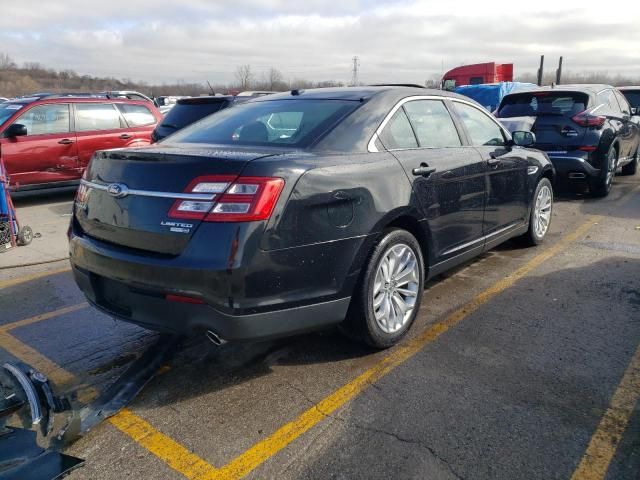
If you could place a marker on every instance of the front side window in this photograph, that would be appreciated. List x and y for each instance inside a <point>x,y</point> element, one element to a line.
<point>289,123</point>
<point>633,97</point>
<point>46,119</point>
<point>398,134</point>
<point>136,115</point>
<point>96,116</point>
<point>432,123</point>
<point>483,131</point>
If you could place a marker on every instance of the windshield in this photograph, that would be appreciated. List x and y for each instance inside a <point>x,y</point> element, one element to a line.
<point>533,104</point>
<point>8,109</point>
<point>182,115</point>
<point>633,97</point>
<point>292,123</point>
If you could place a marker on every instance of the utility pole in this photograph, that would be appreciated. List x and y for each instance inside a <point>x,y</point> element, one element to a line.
<point>559,72</point>
<point>541,70</point>
<point>354,73</point>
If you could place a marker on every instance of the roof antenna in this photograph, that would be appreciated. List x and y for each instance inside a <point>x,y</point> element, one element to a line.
<point>211,88</point>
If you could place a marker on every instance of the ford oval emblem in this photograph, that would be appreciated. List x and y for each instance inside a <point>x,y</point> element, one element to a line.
<point>118,190</point>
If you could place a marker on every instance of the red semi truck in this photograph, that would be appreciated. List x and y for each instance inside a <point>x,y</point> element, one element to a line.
<point>477,74</point>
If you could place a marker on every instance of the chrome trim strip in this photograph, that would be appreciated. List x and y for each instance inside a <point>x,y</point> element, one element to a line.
<point>371,145</point>
<point>201,197</point>
<point>481,239</point>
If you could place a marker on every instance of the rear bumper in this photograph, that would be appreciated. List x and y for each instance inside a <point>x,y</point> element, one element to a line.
<point>151,310</point>
<point>574,167</point>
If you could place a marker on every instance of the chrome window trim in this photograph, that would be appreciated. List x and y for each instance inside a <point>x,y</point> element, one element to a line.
<point>371,147</point>
<point>149,193</point>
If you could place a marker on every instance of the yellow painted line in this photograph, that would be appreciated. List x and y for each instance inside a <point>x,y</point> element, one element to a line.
<point>265,449</point>
<point>605,440</point>
<point>34,276</point>
<point>43,316</point>
<point>165,448</point>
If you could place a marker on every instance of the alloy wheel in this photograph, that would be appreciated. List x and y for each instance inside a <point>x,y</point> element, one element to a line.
<point>542,211</point>
<point>395,288</point>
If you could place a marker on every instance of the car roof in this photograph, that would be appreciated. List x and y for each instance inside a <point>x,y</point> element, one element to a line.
<point>575,87</point>
<point>52,98</point>
<point>204,99</point>
<point>359,93</point>
<point>630,87</point>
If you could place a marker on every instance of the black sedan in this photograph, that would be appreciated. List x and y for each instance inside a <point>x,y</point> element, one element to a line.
<point>303,210</point>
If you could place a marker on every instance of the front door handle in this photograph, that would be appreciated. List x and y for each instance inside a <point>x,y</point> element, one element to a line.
<point>423,170</point>
<point>65,141</point>
<point>125,136</point>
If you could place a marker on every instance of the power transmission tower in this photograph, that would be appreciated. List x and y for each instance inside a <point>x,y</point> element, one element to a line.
<point>354,74</point>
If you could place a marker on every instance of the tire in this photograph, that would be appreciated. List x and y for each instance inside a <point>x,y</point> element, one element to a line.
<point>25,235</point>
<point>381,326</point>
<point>541,214</point>
<point>601,186</point>
<point>632,168</point>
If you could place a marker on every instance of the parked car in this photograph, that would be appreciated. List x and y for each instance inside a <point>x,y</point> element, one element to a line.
<point>3,99</point>
<point>47,141</point>
<point>303,210</point>
<point>587,130</point>
<point>632,94</point>
<point>187,111</point>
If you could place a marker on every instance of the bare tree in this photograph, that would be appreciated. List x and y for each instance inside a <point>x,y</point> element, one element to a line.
<point>244,77</point>
<point>274,80</point>
<point>6,62</point>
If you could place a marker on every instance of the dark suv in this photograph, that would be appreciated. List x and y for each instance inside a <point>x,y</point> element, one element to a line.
<point>187,111</point>
<point>47,140</point>
<point>302,210</point>
<point>588,131</point>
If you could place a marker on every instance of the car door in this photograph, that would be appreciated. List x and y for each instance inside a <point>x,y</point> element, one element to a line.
<point>507,202</point>
<point>99,126</point>
<point>48,153</point>
<point>140,121</point>
<point>447,178</point>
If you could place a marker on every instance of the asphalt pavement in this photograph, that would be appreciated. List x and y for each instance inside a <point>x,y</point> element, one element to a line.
<point>522,364</point>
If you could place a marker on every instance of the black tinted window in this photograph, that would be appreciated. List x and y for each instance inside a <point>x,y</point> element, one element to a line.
<point>481,128</point>
<point>432,123</point>
<point>398,134</point>
<point>136,115</point>
<point>543,103</point>
<point>46,119</point>
<point>182,115</point>
<point>96,116</point>
<point>300,122</point>
<point>633,97</point>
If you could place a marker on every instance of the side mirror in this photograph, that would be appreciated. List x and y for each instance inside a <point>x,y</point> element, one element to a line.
<point>16,130</point>
<point>523,138</point>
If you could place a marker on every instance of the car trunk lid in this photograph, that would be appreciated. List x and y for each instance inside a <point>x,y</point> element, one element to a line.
<point>126,195</point>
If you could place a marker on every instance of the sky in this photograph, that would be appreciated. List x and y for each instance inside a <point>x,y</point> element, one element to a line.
<point>395,40</point>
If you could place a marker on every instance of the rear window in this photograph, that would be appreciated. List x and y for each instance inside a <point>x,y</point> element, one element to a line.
<point>292,123</point>
<point>533,104</point>
<point>136,115</point>
<point>633,97</point>
<point>183,114</point>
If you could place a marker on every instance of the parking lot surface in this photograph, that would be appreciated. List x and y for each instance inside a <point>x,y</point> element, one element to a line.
<point>524,363</point>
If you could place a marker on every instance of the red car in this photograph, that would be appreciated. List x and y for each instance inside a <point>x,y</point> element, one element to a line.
<point>47,140</point>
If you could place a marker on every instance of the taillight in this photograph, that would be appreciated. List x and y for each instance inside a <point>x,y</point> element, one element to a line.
<point>229,199</point>
<point>588,148</point>
<point>586,119</point>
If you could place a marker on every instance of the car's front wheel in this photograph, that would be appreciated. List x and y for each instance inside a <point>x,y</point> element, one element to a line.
<point>541,211</point>
<point>388,297</point>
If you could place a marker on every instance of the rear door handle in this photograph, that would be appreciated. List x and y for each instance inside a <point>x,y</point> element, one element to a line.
<point>125,136</point>
<point>494,161</point>
<point>423,170</point>
<point>65,141</point>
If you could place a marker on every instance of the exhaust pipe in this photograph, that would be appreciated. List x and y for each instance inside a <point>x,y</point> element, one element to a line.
<point>215,338</point>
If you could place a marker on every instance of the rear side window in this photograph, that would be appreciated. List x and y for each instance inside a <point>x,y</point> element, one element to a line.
<point>482,130</point>
<point>136,115</point>
<point>302,122</point>
<point>183,114</point>
<point>624,104</point>
<point>96,116</point>
<point>633,97</point>
<point>533,104</point>
<point>398,134</point>
<point>606,102</point>
<point>432,123</point>
<point>46,119</point>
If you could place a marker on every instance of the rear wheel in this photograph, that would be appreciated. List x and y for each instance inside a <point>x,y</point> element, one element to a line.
<point>601,186</point>
<point>388,297</point>
<point>25,235</point>
<point>632,168</point>
<point>541,211</point>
